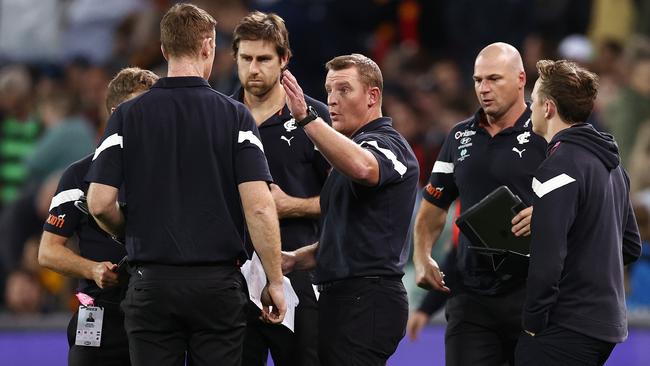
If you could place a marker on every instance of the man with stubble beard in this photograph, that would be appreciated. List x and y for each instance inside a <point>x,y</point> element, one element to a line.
<point>261,50</point>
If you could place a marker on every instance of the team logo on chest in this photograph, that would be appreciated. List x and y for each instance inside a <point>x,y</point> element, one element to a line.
<point>290,125</point>
<point>523,137</point>
<point>464,154</point>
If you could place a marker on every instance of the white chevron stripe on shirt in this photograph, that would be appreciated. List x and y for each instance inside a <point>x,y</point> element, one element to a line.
<point>542,189</point>
<point>66,196</point>
<point>112,140</point>
<point>250,136</point>
<point>399,167</point>
<point>443,167</point>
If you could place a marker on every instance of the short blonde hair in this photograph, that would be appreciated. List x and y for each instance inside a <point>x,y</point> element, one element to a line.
<point>125,83</point>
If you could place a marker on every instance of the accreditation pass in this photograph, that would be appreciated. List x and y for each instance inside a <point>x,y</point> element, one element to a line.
<point>89,326</point>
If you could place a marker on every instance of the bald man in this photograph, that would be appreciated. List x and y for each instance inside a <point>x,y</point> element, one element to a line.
<point>494,147</point>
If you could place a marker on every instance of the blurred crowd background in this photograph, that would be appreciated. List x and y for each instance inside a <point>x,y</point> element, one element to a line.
<point>57,56</point>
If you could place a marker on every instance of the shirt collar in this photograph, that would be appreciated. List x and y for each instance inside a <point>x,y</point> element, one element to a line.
<point>373,125</point>
<point>522,123</point>
<point>282,115</point>
<point>238,95</point>
<point>180,82</point>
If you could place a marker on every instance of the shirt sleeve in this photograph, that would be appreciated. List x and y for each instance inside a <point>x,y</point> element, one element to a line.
<point>250,161</point>
<point>106,167</point>
<point>64,217</point>
<point>441,189</point>
<point>390,155</point>
<point>556,203</point>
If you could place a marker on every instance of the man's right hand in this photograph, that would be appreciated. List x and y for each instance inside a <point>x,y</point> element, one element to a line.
<point>273,305</point>
<point>105,275</point>
<point>417,320</point>
<point>429,277</point>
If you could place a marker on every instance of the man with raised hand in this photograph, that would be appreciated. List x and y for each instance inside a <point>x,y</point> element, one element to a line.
<point>366,206</point>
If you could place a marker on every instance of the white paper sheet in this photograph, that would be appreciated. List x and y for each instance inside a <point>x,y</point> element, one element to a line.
<point>256,280</point>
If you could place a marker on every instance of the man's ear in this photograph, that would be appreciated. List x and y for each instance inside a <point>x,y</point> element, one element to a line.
<point>284,62</point>
<point>373,96</point>
<point>550,109</point>
<point>164,53</point>
<point>207,47</point>
<point>521,78</point>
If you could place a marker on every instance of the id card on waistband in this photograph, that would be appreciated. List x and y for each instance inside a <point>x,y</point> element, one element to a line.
<point>89,326</point>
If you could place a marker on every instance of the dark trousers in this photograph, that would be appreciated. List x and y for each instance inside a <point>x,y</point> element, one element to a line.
<point>114,348</point>
<point>556,345</point>
<point>361,321</point>
<point>299,348</point>
<point>483,330</point>
<point>171,310</point>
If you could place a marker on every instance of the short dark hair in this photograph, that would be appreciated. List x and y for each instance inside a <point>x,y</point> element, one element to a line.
<point>369,72</point>
<point>262,26</point>
<point>183,28</point>
<point>128,81</point>
<point>572,88</point>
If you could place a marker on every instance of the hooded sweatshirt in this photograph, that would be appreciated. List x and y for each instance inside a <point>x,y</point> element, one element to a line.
<point>583,233</point>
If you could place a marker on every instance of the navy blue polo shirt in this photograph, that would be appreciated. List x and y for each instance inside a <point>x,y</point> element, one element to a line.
<point>66,220</point>
<point>296,166</point>
<point>471,164</point>
<point>181,149</point>
<point>365,229</point>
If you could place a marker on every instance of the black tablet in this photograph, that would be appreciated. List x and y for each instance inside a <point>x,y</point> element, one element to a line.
<point>488,223</point>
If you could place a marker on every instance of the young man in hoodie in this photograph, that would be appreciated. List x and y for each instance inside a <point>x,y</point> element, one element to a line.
<point>583,229</point>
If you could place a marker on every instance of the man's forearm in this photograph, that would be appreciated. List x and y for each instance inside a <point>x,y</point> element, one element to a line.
<point>306,257</point>
<point>302,207</point>
<point>265,235</point>
<point>263,227</point>
<point>429,222</point>
<point>53,254</point>
<point>344,154</point>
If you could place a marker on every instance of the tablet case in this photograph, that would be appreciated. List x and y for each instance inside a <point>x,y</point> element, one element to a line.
<point>487,225</point>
